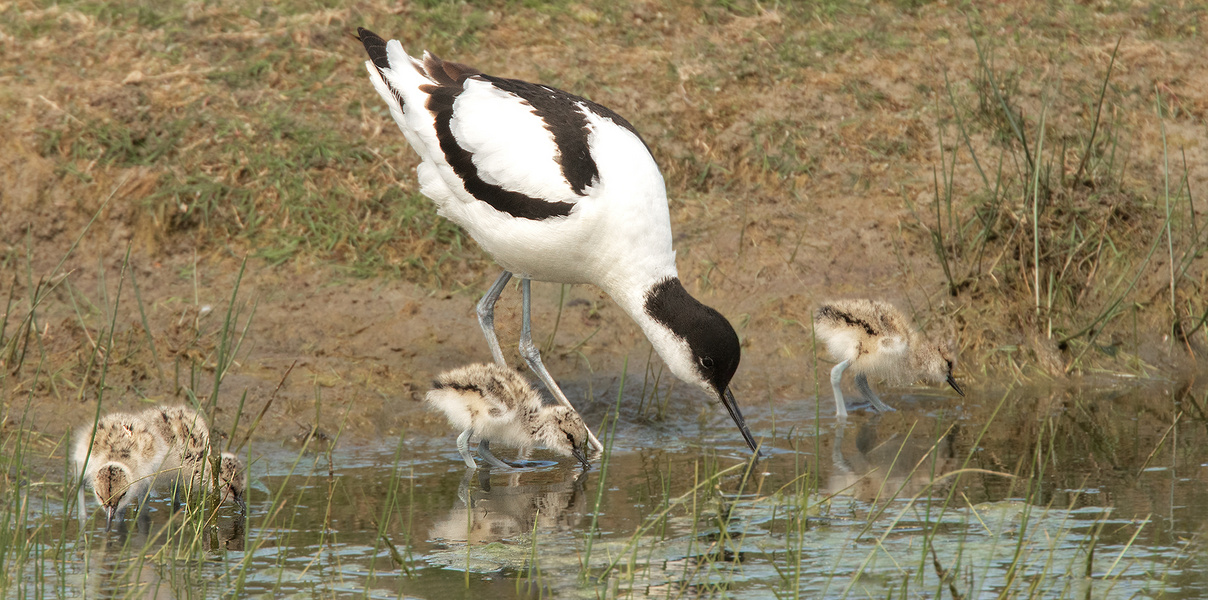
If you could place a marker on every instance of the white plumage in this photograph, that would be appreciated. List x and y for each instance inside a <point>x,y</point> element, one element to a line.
<point>555,188</point>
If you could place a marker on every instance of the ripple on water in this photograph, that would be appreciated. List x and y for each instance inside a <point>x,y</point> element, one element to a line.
<point>859,511</point>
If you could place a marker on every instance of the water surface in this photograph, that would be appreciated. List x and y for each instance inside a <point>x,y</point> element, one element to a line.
<point>1076,494</point>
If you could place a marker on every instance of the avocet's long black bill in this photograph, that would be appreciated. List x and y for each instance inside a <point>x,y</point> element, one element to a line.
<point>952,382</point>
<point>727,398</point>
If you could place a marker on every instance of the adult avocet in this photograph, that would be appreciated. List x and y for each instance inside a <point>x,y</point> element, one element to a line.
<point>555,188</point>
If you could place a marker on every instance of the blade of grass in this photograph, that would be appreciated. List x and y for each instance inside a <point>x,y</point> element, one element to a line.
<point>142,312</point>
<point>595,513</point>
<point>1086,153</point>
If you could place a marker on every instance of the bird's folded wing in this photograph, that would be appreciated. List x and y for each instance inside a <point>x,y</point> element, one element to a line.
<point>524,138</point>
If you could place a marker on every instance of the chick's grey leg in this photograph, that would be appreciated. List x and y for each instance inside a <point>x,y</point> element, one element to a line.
<point>871,396</point>
<point>463,446</point>
<point>80,506</point>
<point>836,377</point>
<point>484,450</point>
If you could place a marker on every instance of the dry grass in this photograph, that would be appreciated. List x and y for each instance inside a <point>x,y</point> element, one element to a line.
<point>799,145</point>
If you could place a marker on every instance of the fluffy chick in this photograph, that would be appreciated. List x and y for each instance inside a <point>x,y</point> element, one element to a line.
<point>119,462</point>
<point>499,405</point>
<point>873,338</point>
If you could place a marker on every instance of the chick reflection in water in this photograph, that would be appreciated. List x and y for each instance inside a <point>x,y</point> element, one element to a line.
<point>884,467</point>
<point>489,513</point>
<point>497,404</point>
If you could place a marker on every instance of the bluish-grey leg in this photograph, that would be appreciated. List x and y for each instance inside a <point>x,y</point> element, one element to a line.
<point>836,377</point>
<point>463,446</point>
<point>120,521</point>
<point>877,404</point>
<point>80,507</point>
<point>143,518</point>
<point>484,450</point>
<point>533,356</point>
<point>486,316</point>
<point>839,461</point>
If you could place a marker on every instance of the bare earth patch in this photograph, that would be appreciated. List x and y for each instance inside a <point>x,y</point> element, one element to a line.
<point>971,167</point>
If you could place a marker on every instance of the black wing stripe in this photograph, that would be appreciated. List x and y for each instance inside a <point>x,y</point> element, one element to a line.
<point>564,119</point>
<point>557,108</point>
<point>516,204</point>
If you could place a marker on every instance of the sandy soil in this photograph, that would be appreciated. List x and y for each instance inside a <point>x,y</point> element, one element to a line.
<point>793,145</point>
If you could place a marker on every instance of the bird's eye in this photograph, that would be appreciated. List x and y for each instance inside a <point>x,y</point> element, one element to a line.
<point>706,362</point>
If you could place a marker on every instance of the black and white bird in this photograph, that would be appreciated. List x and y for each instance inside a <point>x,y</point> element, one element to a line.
<point>496,404</point>
<point>874,338</point>
<point>555,188</point>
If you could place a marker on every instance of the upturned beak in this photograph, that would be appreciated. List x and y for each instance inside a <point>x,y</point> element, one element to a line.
<point>727,399</point>
<point>952,382</point>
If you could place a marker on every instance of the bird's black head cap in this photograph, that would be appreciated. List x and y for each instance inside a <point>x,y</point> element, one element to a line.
<point>712,340</point>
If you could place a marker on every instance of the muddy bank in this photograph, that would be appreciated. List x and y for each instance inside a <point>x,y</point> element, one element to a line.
<point>354,357</point>
<point>875,151</point>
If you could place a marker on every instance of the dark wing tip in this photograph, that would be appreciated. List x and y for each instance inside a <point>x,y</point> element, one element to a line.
<point>375,46</point>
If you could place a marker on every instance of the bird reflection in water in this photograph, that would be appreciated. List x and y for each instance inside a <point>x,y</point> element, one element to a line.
<point>485,513</point>
<point>884,467</point>
<point>224,530</point>
<point>118,568</point>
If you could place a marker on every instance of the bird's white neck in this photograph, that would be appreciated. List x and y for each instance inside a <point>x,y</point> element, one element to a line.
<point>670,345</point>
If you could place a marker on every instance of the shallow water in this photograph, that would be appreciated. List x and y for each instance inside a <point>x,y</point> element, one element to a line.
<point>1086,495</point>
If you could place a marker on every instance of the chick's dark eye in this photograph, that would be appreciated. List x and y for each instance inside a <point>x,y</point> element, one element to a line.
<point>706,362</point>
